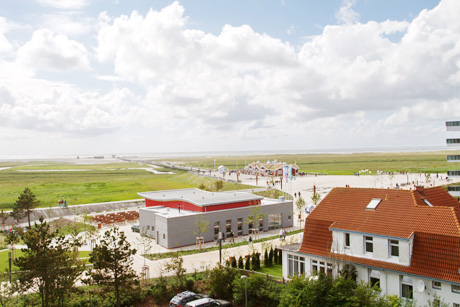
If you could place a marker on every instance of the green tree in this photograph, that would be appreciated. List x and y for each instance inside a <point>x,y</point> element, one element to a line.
<point>220,281</point>
<point>218,185</point>
<point>112,263</point>
<point>300,203</point>
<point>202,226</point>
<point>254,216</point>
<point>25,203</point>
<point>176,265</point>
<point>3,217</point>
<point>48,265</point>
<point>316,198</point>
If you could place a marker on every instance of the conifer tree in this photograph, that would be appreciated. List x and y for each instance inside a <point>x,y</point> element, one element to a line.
<point>25,203</point>
<point>47,265</point>
<point>112,263</point>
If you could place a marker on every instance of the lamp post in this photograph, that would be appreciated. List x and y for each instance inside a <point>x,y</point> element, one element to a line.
<point>245,290</point>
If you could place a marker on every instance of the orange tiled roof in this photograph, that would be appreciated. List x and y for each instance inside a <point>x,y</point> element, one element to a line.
<point>401,213</point>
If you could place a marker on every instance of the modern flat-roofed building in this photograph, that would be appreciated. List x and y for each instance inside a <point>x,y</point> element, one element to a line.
<point>170,216</point>
<point>406,241</point>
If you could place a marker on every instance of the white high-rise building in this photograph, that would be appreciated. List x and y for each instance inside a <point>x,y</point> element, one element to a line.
<point>453,126</point>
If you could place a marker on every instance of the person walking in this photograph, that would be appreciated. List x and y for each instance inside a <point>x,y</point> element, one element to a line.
<point>250,240</point>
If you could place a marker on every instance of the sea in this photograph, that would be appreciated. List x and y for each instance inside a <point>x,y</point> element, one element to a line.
<point>172,155</point>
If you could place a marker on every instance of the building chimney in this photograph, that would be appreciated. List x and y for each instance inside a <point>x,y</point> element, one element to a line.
<point>420,189</point>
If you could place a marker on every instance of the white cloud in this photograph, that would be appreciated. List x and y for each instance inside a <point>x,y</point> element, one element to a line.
<point>64,4</point>
<point>346,15</point>
<point>5,46</point>
<point>53,52</point>
<point>67,23</point>
<point>350,84</point>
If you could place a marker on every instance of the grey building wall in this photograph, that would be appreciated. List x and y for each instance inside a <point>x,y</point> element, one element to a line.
<point>179,231</point>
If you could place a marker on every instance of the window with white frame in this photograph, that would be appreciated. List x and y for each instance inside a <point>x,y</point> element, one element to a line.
<point>321,267</point>
<point>368,244</point>
<point>436,285</point>
<point>455,288</point>
<point>407,288</point>
<point>394,248</point>
<point>374,278</point>
<point>347,240</point>
<point>296,265</point>
<point>455,305</point>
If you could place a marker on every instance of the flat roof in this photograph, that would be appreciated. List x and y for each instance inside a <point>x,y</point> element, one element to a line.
<point>170,212</point>
<point>199,197</point>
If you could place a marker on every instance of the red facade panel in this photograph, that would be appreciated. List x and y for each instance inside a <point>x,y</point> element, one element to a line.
<point>191,207</point>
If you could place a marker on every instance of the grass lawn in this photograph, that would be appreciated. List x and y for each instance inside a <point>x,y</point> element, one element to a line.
<point>4,258</point>
<point>98,183</point>
<point>119,181</point>
<point>339,164</point>
<point>274,270</point>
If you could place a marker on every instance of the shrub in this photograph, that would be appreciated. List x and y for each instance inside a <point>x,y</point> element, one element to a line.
<point>240,263</point>
<point>247,264</point>
<point>220,281</point>
<point>266,258</point>
<point>261,291</point>
<point>270,257</point>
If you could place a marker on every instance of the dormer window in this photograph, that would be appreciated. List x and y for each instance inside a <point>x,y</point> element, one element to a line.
<point>373,203</point>
<point>394,248</point>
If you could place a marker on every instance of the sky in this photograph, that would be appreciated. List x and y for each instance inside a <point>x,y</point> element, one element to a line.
<point>138,76</point>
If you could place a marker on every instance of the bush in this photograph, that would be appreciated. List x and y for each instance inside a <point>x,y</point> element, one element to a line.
<point>220,281</point>
<point>266,258</point>
<point>254,261</point>
<point>240,263</point>
<point>234,263</point>
<point>261,291</point>
<point>270,257</point>
<point>275,258</point>
<point>247,264</point>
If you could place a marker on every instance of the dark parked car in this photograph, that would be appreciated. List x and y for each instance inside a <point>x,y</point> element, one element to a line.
<point>208,302</point>
<point>184,297</point>
<point>136,228</point>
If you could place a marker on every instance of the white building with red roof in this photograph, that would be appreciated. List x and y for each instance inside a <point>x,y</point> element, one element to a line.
<point>406,240</point>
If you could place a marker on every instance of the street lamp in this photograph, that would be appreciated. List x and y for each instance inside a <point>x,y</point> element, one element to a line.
<point>245,290</point>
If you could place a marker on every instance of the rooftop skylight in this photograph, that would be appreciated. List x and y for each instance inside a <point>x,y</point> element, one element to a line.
<point>373,203</point>
<point>427,202</point>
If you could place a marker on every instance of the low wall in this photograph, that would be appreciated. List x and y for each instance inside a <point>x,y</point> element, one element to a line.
<point>56,212</point>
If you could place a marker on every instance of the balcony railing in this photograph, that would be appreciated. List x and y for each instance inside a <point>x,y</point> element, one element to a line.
<point>453,124</point>
<point>454,190</point>
<point>453,141</point>
<point>453,173</point>
<point>453,158</point>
